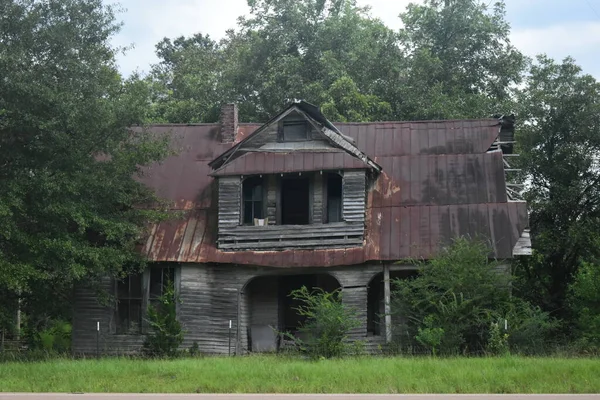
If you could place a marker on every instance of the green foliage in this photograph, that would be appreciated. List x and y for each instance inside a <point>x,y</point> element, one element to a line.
<point>464,295</point>
<point>461,289</point>
<point>334,54</point>
<point>559,143</point>
<point>68,160</point>
<point>584,300</point>
<point>328,322</point>
<point>498,341</point>
<point>430,336</point>
<point>460,62</point>
<point>194,349</point>
<point>166,332</point>
<point>531,330</point>
<point>55,338</point>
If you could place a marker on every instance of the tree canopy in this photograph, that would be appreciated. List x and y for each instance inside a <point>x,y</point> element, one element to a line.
<point>67,158</point>
<point>559,140</point>
<point>449,61</point>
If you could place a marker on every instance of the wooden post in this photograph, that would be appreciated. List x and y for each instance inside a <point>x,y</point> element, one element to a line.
<point>237,324</point>
<point>387,301</point>
<point>18,320</point>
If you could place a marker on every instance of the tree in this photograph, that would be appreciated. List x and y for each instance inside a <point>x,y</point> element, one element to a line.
<point>584,300</point>
<point>460,62</point>
<point>326,52</point>
<point>186,82</point>
<point>68,204</point>
<point>559,141</point>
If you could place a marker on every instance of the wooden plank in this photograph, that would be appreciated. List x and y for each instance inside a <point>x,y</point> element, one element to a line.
<point>292,244</point>
<point>278,236</point>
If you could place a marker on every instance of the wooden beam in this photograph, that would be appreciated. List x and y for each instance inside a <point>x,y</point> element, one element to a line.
<point>387,301</point>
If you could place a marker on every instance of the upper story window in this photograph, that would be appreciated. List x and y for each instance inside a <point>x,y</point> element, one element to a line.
<point>253,200</point>
<point>294,130</point>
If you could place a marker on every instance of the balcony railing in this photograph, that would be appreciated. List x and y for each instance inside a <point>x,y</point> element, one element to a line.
<point>279,237</point>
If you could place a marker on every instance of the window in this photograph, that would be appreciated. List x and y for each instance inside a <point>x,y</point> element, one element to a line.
<point>294,130</point>
<point>253,199</point>
<point>334,198</point>
<point>159,278</point>
<point>129,305</point>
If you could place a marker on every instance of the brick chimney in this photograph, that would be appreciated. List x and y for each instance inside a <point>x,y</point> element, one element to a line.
<point>229,122</point>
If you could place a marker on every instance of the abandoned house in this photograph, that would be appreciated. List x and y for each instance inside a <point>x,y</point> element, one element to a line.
<point>299,201</point>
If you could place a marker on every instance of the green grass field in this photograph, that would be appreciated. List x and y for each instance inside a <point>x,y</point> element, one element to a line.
<point>287,375</point>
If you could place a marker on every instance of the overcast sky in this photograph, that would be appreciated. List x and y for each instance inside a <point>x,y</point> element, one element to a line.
<point>558,28</point>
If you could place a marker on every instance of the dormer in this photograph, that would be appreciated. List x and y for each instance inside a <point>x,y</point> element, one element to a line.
<point>297,182</point>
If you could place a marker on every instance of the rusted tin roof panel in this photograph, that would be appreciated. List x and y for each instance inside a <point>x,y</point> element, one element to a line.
<point>438,182</point>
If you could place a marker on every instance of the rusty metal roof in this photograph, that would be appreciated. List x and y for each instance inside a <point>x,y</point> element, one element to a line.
<point>438,182</point>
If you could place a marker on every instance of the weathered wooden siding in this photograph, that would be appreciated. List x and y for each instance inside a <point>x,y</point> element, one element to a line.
<point>317,213</point>
<point>356,298</point>
<point>264,302</point>
<point>337,235</point>
<point>229,201</point>
<point>87,312</point>
<point>209,295</point>
<point>354,196</point>
<point>270,135</point>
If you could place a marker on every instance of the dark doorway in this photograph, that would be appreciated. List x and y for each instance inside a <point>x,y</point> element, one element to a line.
<point>334,198</point>
<point>290,320</point>
<point>295,201</point>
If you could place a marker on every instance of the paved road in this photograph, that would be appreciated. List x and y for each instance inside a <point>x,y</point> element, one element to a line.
<point>55,396</point>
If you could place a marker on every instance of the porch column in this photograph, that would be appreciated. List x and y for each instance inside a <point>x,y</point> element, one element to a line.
<point>387,301</point>
<point>356,298</point>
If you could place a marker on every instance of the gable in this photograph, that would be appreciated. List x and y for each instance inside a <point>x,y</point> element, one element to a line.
<point>299,128</point>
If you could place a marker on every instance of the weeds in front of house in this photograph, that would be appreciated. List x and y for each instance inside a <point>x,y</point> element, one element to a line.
<point>327,324</point>
<point>460,304</point>
<point>166,332</point>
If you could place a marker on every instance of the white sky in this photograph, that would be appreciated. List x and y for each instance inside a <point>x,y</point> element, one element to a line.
<point>556,27</point>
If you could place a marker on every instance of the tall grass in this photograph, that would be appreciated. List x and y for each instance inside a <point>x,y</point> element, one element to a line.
<point>289,375</point>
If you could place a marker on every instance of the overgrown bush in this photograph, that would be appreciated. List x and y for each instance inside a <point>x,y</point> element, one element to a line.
<point>166,332</point>
<point>55,338</point>
<point>584,301</point>
<point>498,340</point>
<point>459,297</point>
<point>327,324</point>
<point>461,289</point>
<point>430,336</point>
<point>531,331</point>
